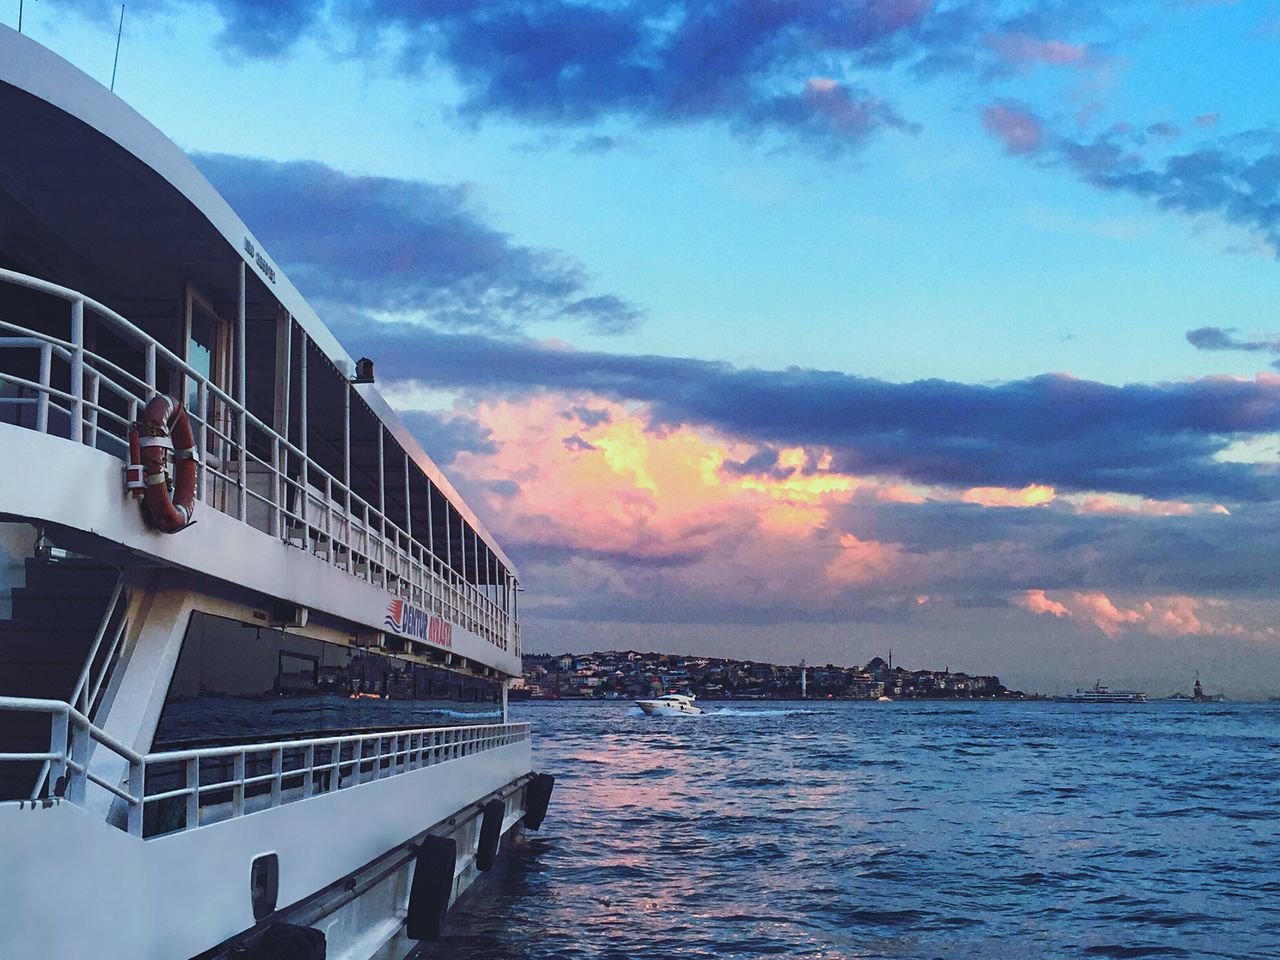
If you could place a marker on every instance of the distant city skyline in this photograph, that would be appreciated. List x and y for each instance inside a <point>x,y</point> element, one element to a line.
<point>778,330</point>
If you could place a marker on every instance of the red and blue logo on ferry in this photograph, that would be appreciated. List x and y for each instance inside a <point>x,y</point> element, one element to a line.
<point>408,621</point>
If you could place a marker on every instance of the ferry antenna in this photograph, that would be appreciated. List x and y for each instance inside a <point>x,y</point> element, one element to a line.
<point>116,63</point>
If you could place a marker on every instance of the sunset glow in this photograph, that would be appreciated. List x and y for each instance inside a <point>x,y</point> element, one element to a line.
<point>725,320</point>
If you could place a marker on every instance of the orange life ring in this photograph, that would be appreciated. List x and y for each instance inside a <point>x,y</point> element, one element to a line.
<point>163,426</point>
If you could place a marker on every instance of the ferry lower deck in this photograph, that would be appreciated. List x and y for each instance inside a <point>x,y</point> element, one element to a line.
<point>284,719</point>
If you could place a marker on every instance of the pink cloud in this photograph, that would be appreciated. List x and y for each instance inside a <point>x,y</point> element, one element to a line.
<point>1097,607</point>
<point>842,110</point>
<point>1206,120</point>
<point>1020,49</point>
<point>1036,602</point>
<point>1099,503</point>
<point>861,560</point>
<point>1173,615</point>
<point>1019,130</point>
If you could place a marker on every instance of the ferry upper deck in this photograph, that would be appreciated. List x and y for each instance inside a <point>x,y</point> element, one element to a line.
<point>123,274</point>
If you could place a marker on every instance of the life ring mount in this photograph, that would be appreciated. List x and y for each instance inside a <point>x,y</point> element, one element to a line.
<point>163,464</point>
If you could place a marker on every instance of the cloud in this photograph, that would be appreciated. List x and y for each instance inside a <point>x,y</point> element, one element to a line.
<point>1023,50</point>
<point>1014,126</point>
<point>747,65</point>
<point>607,314</point>
<point>381,244</point>
<point>860,560</point>
<point>1161,616</point>
<point>608,513</point>
<point>1098,608</point>
<point>448,434</point>
<point>1235,178</point>
<point>742,63</point>
<point>1031,495</point>
<point>1159,441</point>
<point>1036,602</point>
<point>826,113</point>
<point>1218,338</point>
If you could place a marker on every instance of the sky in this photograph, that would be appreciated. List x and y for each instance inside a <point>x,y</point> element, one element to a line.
<point>791,329</point>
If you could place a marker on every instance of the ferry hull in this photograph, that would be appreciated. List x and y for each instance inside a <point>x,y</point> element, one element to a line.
<point>176,896</point>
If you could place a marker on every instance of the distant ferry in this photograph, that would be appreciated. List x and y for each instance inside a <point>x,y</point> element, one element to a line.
<point>1102,694</point>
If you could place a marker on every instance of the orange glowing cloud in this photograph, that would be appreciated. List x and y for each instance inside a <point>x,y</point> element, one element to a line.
<point>608,481</point>
<point>1032,495</point>
<point>799,501</point>
<point>609,504</point>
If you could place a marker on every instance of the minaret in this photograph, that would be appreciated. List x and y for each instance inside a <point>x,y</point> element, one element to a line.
<point>804,682</point>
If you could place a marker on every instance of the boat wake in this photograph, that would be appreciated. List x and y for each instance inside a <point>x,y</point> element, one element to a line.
<point>739,712</point>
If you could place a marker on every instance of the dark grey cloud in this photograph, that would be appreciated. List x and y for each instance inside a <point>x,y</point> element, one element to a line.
<point>575,443</point>
<point>377,243</point>
<point>606,313</point>
<point>746,64</point>
<point>763,463</point>
<point>1235,178</point>
<point>504,488</point>
<point>1057,548</point>
<point>1218,338</point>
<point>446,436</point>
<point>1155,440</point>
<point>591,416</point>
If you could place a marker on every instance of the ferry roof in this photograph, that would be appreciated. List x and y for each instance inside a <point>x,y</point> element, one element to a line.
<point>180,211</point>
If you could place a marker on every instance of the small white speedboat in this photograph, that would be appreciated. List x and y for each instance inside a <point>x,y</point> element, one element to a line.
<point>670,705</point>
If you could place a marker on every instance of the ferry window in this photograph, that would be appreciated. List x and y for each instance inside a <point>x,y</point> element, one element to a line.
<point>298,672</point>
<point>237,683</point>
<point>208,347</point>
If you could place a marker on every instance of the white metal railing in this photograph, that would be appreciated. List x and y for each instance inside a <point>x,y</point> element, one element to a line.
<point>249,471</point>
<point>91,681</point>
<point>211,784</point>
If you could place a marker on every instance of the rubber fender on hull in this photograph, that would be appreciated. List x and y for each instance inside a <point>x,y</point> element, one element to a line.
<point>537,794</point>
<point>490,834</point>
<point>432,887</point>
<point>288,941</point>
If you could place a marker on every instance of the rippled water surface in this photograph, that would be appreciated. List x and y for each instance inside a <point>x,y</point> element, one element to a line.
<point>895,830</point>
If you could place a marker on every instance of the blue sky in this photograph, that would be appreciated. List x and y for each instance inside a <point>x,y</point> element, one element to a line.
<point>935,204</point>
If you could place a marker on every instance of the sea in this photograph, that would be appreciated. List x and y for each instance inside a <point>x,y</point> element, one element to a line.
<point>903,830</point>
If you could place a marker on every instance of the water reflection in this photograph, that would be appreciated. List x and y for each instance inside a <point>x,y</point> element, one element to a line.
<point>848,830</point>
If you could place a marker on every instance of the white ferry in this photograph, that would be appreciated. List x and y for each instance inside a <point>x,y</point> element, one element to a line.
<point>254,648</point>
<point>1102,694</point>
